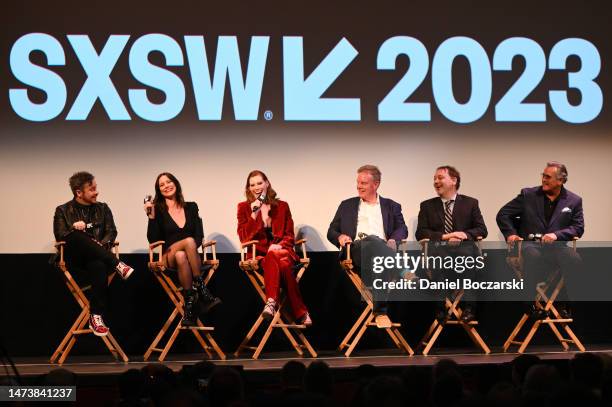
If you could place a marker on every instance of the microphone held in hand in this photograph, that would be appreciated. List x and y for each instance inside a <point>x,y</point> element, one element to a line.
<point>262,199</point>
<point>536,237</point>
<point>148,198</point>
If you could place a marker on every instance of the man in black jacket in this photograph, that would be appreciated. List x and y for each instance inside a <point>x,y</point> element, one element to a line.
<point>369,218</point>
<point>548,213</point>
<point>451,218</point>
<point>89,231</point>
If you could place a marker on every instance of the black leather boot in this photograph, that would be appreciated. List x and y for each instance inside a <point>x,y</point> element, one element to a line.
<point>190,297</point>
<point>206,300</point>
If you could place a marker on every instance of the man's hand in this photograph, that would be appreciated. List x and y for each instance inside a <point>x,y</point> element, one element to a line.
<point>513,238</point>
<point>275,247</point>
<point>392,244</point>
<point>454,236</point>
<point>549,238</point>
<point>80,225</point>
<point>460,235</point>
<point>344,239</point>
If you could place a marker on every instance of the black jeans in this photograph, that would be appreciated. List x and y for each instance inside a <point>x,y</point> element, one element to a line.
<point>362,253</point>
<point>90,263</point>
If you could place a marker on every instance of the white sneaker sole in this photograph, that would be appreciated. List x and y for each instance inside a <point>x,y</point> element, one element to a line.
<point>98,333</point>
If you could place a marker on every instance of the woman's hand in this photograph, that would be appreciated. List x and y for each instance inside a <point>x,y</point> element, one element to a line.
<point>149,209</point>
<point>275,247</point>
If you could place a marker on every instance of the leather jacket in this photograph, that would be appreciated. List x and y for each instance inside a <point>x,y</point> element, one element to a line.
<point>98,217</point>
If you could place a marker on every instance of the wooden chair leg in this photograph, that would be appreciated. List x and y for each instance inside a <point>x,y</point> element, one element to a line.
<point>574,338</point>
<point>475,337</point>
<point>60,349</point>
<point>404,344</point>
<point>215,346</point>
<point>249,335</point>
<point>433,339</point>
<point>161,334</point>
<point>395,341</point>
<point>72,341</point>
<point>170,342</point>
<point>359,334</point>
<point>354,328</point>
<point>306,344</point>
<point>515,332</point>
<point>266,335</point>
<point>529,336</point>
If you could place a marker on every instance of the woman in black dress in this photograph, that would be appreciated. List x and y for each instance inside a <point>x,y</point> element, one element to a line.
<point>178,223</point>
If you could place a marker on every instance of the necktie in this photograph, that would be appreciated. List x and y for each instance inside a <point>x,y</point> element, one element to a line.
<point>448,216</point>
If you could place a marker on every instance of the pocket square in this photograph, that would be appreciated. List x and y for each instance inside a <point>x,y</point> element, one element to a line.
<point>566,210</point>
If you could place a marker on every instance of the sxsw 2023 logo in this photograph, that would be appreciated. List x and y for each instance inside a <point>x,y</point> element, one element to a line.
<point>303,100</point>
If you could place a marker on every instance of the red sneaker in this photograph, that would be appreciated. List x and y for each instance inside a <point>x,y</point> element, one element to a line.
<point>96,324</point>
<point>124,270</point>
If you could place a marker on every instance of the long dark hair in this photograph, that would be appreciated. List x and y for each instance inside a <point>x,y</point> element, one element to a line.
<point>159,201</point>
<point>271,194</point>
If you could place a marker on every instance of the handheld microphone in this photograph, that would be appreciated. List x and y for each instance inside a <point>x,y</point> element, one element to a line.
<point>362,235</point>
<point>148,198</point>
<point>261,198</point>
<point>535,236</point>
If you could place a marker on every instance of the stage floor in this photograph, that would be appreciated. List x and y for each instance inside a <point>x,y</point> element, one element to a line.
<point>105,365</point>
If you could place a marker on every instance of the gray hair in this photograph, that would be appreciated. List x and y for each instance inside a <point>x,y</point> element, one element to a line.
<point>372,170</point>
<point>561,170</point>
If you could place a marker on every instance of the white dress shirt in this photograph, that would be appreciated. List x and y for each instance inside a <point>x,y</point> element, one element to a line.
<point>452,205</point>
<point>369,219</point>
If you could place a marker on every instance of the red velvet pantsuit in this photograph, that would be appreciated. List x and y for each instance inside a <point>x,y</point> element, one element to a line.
<point>277,264</point>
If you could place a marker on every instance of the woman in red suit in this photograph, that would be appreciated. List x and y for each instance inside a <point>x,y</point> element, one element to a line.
<point>265,218</point>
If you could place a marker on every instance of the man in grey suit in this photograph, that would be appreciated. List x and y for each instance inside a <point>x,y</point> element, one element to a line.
<point>548,213</point>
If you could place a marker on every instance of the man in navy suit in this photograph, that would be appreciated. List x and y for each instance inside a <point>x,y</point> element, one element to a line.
<point>550,213</point>
<point>451,217</point>
<point>371,218</point>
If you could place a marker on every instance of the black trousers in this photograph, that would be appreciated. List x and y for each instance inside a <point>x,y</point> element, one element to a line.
<point>91,264</point>
<point>464,249</point>
<point>542,259</point>
<point>362,253</point>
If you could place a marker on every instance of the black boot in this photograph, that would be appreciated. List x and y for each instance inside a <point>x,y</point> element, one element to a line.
<point>206,301</point>
<point>190,297</point>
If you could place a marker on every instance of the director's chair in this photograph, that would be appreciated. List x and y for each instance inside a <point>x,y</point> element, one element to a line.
<point>366,319</point>
<point>544,300</point>
<point>78,327</point>
<point>281,319</point>
<point>453,311</point>
<point>161,273</point>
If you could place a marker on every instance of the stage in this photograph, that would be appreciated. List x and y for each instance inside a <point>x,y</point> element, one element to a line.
<point>100,365</point>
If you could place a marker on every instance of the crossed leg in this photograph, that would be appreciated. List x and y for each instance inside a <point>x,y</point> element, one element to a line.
<point>183,256</point>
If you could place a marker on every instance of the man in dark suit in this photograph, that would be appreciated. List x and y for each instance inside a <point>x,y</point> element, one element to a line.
<point>451,217</point>
<point>371,218</point>
<point>548,213</point>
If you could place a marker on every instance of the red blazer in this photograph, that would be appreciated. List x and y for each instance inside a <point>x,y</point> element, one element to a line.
<point>253,229</point>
